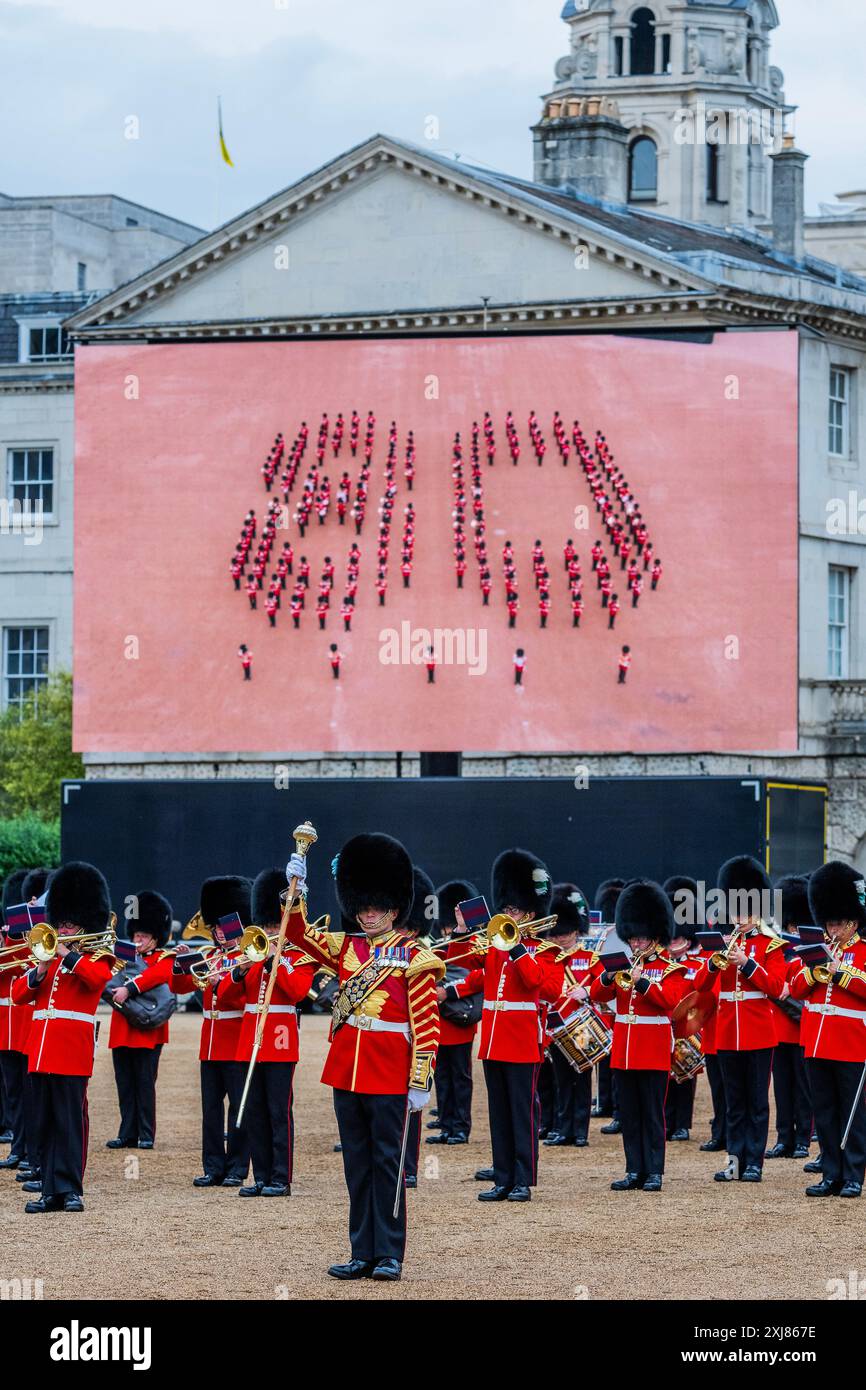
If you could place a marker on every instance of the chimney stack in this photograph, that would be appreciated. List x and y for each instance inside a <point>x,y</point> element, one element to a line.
<point>789,199</point>
<point>581,146</point>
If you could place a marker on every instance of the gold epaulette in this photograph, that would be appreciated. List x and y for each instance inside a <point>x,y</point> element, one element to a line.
<point>775,943</point>
<point>674,965</point>
<point>303,959</point>
<point>422,960</point>
<point>542,945</point>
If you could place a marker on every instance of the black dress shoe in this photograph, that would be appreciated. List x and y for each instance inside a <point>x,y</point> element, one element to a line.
<point>436,1139</point>
<point>232,1181</point>
<point>458,1138</point>
<point>801,1151</point>
<point>254,1190</point>
<point>728,1174</point>
<point>27,1174</point>
<point>207,1180</point>
<point>520,1194</point>
<point>338,1149</point>
<point>144,1144</point>
<point>751,1173</point>
<point>653,1183</point>
<point>433,1124</point>
<point>850,1189</point>
<point>815,1166</point>
<point>543,1133</point>
<point>43,1204</point>
<point>119,1144</point>
<point>613,1128</point>
<point>6,1137</point>
<point>779,1151</point>
<point>484,1175</point>
<point>555,1141</point>
<point>679,1136</point>
<point>712,1146</point>
<point>411,1180</point>
<point>494,1194</point>
<point>355,1269</point>
<point>581,1143</point>
<point>12,1161</point>
<point>824,1189</point>
<point>32,1185</point>
<point>276,1190</point>
<point>72,1202</point>
<point>628,1183</point>
<point>387,1269</point>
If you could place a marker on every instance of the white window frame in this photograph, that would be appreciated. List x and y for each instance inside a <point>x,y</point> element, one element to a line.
<point>21,624</point>
<point>40,321</point>
<point>41,446</point>
<point>839,624</point>
<point>842,425</point>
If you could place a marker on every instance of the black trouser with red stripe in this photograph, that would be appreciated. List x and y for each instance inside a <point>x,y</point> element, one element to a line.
<point>511,1103</point>
<point>573,1097</point>
<point>61,1131</point>
<point>834,1086</point>
<point>371,1133</point>
<point>13,1066</point>
<point>747,1095</point>
<point>719,1125</point>
<point>454,1087</point>
<point>269,1123</point>
<point>641,1099</point>
<point>680,1104</point>
<point>221,1081</point>
<point>135,1071</point>
<point>793,1102</point>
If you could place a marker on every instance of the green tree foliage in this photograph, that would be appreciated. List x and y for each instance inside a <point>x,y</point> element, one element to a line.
<point>27,842</point>
<point>36,753</point>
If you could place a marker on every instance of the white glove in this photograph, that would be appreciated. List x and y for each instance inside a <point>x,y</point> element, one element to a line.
<point>418,1099</point>
<point>297,868</point>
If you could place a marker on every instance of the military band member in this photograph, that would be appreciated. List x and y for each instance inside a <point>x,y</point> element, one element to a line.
<point>752,973</point>
<point>384,1039</point>
<point>135,1051</point>
<point>225,1148</point>
<point>268,1118</point>
<point>834,1027</point>
<point>682,891</point>
<point>646,995</point>
<point>605,1107</point>
<point>515,983</point>
<point>66,991</point>
<point>573,1088</point>
<point>790,1081</point>
<point>417,926</point>
<point>15,1021</point>
<point>454,1062</point>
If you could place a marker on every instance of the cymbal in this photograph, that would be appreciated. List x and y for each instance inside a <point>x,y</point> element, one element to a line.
<point>691,1013</point>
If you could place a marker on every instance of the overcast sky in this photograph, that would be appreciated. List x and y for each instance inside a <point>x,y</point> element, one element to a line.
<point>303,80</point>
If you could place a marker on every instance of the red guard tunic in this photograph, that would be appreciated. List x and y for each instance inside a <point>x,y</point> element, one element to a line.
<point>157,971</point>
<point>221,1026</point>
<point>247,992</point>
<point>15,1018</point>
<point>834,1018</point>
<point>62,1036</point>
<point>643,1032</point>
<point>389,1043</point>
<point>516,993</point>
<point>584,965</point>
<point>745,1021</point>
<point>450,1034</point>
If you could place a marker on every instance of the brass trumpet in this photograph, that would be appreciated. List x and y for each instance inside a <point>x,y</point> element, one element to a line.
<point>722,959</point>
<point>42,942</point>
<point>824,973</point>
<point>625,978</point>
<point>254,946</point>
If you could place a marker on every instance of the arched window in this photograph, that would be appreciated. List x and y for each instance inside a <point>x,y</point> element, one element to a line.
<point>643,169</point>
<point>643,42</point>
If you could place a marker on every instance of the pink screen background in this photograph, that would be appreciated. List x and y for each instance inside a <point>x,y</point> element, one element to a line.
<point>163,480</point>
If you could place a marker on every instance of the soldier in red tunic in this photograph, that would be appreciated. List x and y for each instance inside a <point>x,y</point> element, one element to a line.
<point>384,1038</point>
<point>135,1051</point>
<point>457,1031</point>
<point>682,891</point>
<point>646,996</point>
<point>515,981</point>
<point>21,890</point>
<point>834,1027</point>
<point>573,1089</point>
<point>66,991</point>
<point>790,1081</point>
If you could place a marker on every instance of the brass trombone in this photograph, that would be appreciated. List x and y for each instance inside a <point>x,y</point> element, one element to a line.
<point>625,978</point>
<point>824,973</point>
<point>254,945</point>
<point>502,933</point>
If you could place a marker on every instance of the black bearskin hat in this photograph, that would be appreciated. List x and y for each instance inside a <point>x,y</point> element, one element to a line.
<point>13,889</point>
<point>78,896</point>
<point>448,895</point>
<point>423,901</point>
<point>374,871</point>
<point>571,908</point>
<point>741,876</point>
<point>837,893</point>
<point>153,916</point>
<point>795,901</point>
<point>35,884</point>
<point>220,896</point>
<point>643,908</point>
<point>683,893</point>
<point>520,880</point>
<point>265,905</point>
<point>606,895</point>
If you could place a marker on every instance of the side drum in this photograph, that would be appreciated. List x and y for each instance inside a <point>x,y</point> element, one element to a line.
<point>583,1039</point>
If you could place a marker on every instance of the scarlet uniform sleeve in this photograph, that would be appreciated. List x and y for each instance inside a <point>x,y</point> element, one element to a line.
<point>851,983</point>
<point>530,970</point>
<point>424,1023</point>
<point>324,946</point>
<point>25,988</point>
<point>802,983</point>
<point>90,972</point>
<point>601,993</point>
<point>157,974</point>
<point>295,984</point>
<point>472,983</point>
<point>668,991</point>
<point>769,975</point>
<point>231,993</point>
<point>553,982</point>
<point>706,979</point>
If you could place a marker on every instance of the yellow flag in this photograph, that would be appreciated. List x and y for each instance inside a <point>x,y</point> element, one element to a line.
<point>223,148</point>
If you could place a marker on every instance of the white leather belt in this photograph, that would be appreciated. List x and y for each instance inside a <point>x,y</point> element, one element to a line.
<point>274,1009</point>
<point>643,1018</point>
<point>506,1006</point>
<point>66,1014</point>
<point>223,1013</point>
<point>378,1025</point>
<point>737,996</point>
<point>833,1010</point>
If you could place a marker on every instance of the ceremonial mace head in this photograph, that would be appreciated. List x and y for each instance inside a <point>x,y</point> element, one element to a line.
<point>304,836</point>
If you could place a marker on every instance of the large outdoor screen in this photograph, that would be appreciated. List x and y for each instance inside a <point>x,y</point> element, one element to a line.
<point>672,465</point>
